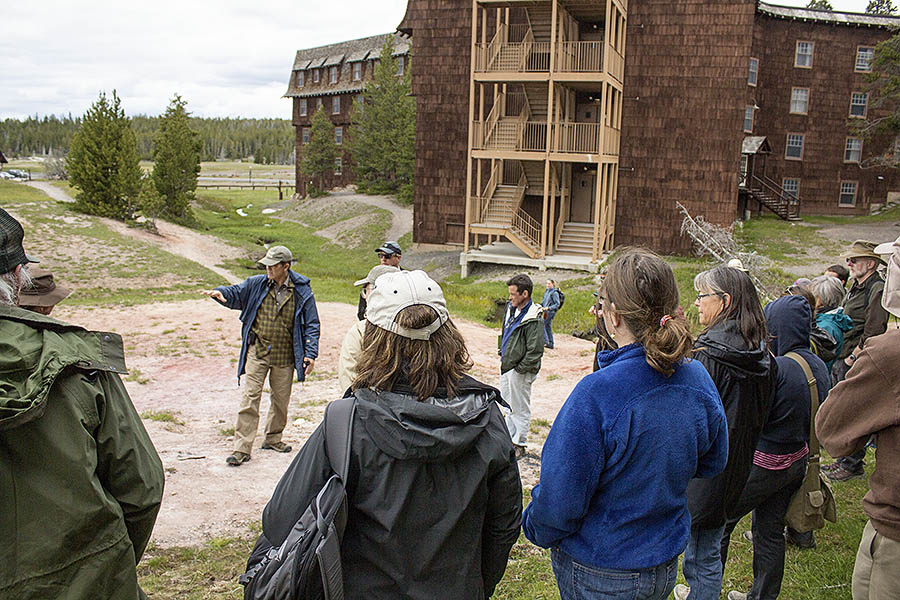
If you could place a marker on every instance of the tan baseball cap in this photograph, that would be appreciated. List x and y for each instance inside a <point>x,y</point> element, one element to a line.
<point>376,272</point>
<point>395,291</point>
<point>276,255</point>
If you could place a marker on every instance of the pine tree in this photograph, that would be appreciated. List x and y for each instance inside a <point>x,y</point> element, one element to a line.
<point>320,153</point>
<point>881,7</point>
<point>820,4</point>
<point>176,156</point>
<point>382,132</point>
<point>103,161</point>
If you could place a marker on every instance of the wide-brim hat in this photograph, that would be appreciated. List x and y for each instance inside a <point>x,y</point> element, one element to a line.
<point>277,255</point>
<point>12,254</point>
<point>43,291</point>
<point>862,249</point>
<point>395,291</point>
<point>376,272</point>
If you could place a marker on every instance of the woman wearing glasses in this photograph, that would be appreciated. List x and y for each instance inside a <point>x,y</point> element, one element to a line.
<point>733,349</point>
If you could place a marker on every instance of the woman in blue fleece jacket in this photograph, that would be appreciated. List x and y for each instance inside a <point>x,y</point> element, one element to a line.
<point>611,502</point>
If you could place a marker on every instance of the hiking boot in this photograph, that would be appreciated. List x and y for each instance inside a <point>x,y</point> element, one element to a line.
<point>804,540</point>
<point>733,595</point>
<point>276,446</point>
<point>828,468</point>
<point>841,473</point>
<point>681,592</point>
<point>237,459</point>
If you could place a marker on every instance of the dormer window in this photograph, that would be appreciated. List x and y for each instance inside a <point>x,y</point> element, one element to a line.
<point>357,71</point>
<point>315,76</point>
<point>301,78</point>
<point>332,75</point>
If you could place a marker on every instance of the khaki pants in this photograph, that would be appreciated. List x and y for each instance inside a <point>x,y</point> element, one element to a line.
<point>876,575</point>
<point>280,380</point>
<point>515,388</point>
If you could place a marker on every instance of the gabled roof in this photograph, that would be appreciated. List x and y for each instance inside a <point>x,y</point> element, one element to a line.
<point>368,48</point>
<point>755,144</point>
<point>833,17</point>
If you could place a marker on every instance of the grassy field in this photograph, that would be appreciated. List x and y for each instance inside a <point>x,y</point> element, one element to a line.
<point>210,571</point>
<point>115,270</point>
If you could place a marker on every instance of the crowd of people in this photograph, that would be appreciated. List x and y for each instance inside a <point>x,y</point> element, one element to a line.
<point>658,453</point>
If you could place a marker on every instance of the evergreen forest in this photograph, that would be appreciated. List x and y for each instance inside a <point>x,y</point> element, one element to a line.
<point>268,141</point>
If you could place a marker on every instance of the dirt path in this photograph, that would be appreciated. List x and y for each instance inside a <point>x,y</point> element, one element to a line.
<point>51,190</point>
<point>402,217</point>
<point>182,359</point>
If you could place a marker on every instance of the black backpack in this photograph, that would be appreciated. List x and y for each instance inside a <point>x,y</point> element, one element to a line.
<point>307,566</point>
<point>562,298</point>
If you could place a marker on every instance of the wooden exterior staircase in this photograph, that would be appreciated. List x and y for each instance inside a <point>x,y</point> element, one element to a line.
<point>502,212</point>
<point>576,239</point>
<point>772,196</point>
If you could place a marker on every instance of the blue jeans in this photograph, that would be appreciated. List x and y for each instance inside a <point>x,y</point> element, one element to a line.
<point>548,329</point>
<point>702,564</point>
<point>583,582</point>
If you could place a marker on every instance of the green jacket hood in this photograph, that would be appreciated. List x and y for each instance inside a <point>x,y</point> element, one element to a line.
<point>35,349</point>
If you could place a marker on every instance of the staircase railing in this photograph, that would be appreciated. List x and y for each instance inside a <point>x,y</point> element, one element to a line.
<point>523,224</point>
<point>527,43</point>
<point>492,119</point>
<point>491,187</point>
<point>790,202</point>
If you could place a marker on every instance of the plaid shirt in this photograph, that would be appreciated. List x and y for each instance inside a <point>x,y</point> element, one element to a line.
<point>274,325</point>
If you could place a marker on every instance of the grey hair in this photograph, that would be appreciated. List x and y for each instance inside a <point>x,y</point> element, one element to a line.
<point>828,291</point>
<point>10,284</point>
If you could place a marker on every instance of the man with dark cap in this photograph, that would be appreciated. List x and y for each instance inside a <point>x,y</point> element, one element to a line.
<point>390,255</point>
<point>863,305</point>
<point>43,293</point>
<point>80,479</point>
<point>279,335</point>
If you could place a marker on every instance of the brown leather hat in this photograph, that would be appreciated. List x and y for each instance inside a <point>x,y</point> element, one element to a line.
<point>863,249</point>
<point>44,291</point>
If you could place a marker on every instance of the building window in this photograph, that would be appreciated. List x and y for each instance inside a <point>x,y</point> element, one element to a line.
<point>336,105</point>
<point>794,147</point>
<point>799,101</point>
<point>804,55</point>
<point>301,78</point>
<point>864,56</point>
<point>338,135</point>
<point>318,104</point>
<point>858,102</point>
<point>848,194</point>
<point>853,150</point>
<point>332,75</point>
<point>306,135</point>
<point>791,187</point>
<point>357,71</point>
<point>753,76</point>
<point>315,76</point>
<point>748,119</point>
<point>302,107</point>
<point>338,166</point>
<point>399,65</point>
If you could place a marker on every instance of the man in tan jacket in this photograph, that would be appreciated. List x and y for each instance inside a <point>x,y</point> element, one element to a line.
<point>867,403</point>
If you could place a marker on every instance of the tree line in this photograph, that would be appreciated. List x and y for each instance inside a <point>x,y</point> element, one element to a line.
<point>269,141</point>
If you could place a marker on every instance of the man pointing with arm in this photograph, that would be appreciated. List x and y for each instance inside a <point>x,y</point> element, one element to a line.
<point>279,334</point>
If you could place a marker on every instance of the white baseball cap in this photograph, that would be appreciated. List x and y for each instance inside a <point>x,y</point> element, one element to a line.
<point>890,298</point>
<point>395,291</point>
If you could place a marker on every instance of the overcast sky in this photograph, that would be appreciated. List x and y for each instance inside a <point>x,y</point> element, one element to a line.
<point>226,58</point>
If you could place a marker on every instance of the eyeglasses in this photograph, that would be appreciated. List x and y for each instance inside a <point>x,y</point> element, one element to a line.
<point>702,296</point>
<point>852,261</point>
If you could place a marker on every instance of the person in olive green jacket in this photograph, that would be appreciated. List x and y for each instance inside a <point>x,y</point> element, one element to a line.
<point>80,480</point>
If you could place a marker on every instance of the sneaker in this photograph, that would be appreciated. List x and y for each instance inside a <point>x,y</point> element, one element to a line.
<point>748,535</point>
<point>840,473</point>
<point>828,468</point>
<point>733,595</point>
<point>520,451</point>
<point>681,592</point>
<point>276,446</point>
<point>237,459</point>
<point>804,541</point>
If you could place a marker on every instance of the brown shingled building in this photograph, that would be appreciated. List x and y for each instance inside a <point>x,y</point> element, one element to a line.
<point>730,107</point>
<point>333,77</point>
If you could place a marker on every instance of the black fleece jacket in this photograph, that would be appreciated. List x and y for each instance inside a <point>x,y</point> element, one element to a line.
<point>435,500</point>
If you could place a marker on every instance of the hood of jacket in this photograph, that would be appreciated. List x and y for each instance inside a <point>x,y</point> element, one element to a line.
<point>432,430</point>
<point>724,343</point>
<point>535,311</point>
<point>836,317</point>
<point>789,320</point>
<point>35,349</point>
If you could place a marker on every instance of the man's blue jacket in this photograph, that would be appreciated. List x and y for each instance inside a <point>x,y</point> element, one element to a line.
<point>247,297</point>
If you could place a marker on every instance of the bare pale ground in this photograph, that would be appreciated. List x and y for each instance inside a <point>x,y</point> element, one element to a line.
<point>186,353</point>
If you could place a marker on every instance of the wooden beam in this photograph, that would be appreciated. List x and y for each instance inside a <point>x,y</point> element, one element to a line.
<point>471,126</point>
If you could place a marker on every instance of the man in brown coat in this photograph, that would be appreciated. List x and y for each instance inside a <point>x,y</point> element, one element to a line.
<point>867,403</point>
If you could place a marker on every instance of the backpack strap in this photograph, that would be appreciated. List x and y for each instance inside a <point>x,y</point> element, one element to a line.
<point>813,400</point>
<point>338,425</point>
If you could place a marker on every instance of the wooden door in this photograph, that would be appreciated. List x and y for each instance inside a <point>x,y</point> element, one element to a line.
<point>584,184</point>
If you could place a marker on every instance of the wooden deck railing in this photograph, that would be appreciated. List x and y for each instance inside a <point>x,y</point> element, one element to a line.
<point>579,57</point>
<point>514,57</point>
<point>611,141</point>
<point>617,65</point>
<point>583,138</point>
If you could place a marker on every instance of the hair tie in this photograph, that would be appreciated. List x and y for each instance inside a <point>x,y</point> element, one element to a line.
<point>665,319</point>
